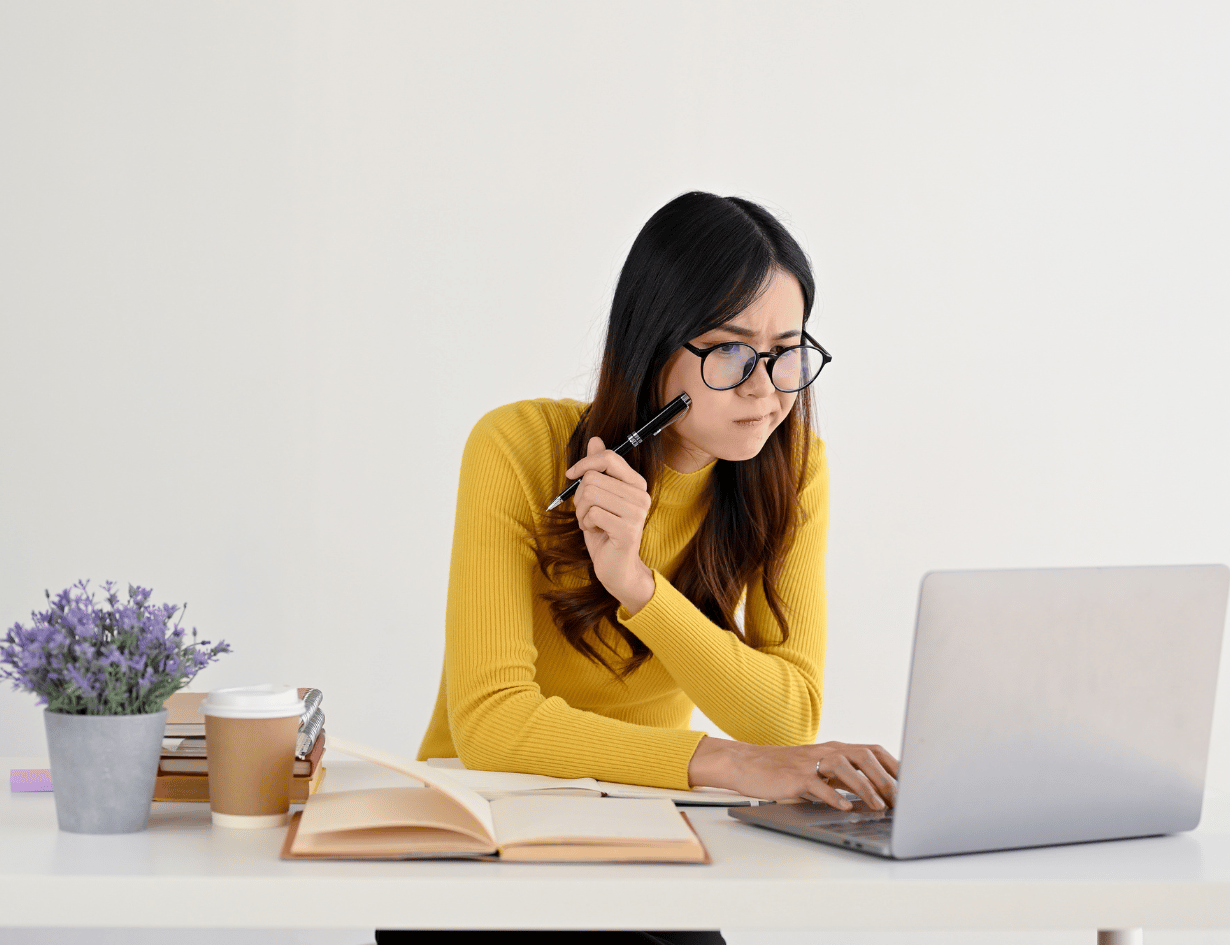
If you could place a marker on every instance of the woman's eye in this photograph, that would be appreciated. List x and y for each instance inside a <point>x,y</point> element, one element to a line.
<point>729,348</point>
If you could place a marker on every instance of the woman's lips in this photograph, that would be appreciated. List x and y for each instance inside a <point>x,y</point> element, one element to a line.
<point>752,421</point>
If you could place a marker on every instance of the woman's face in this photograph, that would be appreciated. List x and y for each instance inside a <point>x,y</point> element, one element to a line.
<point>734,424</point>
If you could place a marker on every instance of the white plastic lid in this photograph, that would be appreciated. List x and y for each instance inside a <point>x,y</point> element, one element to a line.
<point>265,701</point>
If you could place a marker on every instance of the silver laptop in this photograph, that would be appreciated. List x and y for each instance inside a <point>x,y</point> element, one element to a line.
<point>1045,707</point>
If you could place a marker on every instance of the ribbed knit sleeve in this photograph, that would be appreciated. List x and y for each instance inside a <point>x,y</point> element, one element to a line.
<point>498,717</point>
<point>764,691</point>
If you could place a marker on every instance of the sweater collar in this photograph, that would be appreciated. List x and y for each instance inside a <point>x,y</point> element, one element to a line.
<point>678,490</point>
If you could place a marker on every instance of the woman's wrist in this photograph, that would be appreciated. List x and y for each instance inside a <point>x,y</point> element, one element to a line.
<point>712,762</point>
<point>639,591</point>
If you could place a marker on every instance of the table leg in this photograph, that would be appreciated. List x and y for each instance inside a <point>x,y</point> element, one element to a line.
<point>1121,936</point>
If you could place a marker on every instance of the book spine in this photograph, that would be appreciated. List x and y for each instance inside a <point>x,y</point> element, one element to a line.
<point>194,788</point>
<point>172,763</point>
<point>199,767</point>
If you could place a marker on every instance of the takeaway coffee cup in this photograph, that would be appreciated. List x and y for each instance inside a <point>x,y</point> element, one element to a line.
<point>250,735</point>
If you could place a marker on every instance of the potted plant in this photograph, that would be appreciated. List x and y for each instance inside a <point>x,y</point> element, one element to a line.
<point>103,672</point>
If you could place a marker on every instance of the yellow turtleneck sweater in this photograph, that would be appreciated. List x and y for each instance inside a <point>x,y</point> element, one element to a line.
<point>516,697</point>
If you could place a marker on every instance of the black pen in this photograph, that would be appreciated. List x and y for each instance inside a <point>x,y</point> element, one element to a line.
<point>669,414</point>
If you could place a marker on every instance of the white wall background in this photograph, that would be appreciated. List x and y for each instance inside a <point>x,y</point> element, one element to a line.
<point>262,265</point>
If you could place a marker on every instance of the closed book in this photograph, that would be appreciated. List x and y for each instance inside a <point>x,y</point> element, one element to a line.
<point>194,788</point>
<point>445,819</point>
<point>187,756</point>
<point>185,730</point>
<point>184,707</point>
<point>184,719</point>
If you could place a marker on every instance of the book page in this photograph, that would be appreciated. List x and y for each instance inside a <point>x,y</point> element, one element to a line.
<point>432,777</point>
<point>492,784</point>
<point>391,843</point>
<point>393,820</point>
<point>183,747</point>
<point>526,818</point>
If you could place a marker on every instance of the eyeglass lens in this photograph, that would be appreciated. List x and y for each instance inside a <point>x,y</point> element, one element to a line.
<point>731,364</point>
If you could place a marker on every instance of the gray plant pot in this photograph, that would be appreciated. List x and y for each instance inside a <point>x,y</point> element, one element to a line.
<point>103,769</point>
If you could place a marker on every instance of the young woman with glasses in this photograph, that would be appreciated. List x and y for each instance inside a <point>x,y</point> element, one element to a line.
<point>691,572</point>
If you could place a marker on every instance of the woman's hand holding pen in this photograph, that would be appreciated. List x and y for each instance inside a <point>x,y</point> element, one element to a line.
<point>612,504</point>
<point>814,772</point>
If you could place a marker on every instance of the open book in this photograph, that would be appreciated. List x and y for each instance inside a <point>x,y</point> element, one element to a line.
<point>493,784</point>
<point>444,818</point>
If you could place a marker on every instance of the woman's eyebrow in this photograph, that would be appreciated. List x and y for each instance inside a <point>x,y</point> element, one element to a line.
<point>748,333</point>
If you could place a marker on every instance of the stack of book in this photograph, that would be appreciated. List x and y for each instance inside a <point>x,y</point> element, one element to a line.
<point>183,769</point>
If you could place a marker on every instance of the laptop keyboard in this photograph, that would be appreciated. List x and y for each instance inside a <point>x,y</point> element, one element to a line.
<point>880,829</point>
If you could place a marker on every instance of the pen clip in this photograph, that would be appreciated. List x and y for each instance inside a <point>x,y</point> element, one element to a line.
<point>687,405</point>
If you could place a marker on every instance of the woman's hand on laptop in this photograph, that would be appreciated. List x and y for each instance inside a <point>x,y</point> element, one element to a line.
<point>814,772</point>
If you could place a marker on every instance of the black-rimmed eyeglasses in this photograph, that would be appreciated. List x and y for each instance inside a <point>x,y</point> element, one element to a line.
<point>791,369</point>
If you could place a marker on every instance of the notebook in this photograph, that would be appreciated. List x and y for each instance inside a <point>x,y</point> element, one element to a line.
<point>496,784</point>
<point>1044,707</point>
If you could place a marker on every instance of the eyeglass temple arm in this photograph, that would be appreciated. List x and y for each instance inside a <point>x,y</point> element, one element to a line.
<point>814,343</point>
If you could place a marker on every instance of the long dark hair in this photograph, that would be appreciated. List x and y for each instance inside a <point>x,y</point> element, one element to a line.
<point>694,266</point>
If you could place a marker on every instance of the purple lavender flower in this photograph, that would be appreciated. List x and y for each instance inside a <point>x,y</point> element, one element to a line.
<point>82,659</point>
<point>78,679</point>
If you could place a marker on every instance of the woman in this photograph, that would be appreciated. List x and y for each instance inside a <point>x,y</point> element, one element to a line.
<point>690,573</point>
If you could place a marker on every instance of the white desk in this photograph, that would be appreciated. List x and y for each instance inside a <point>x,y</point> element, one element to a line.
<point>162,877</point>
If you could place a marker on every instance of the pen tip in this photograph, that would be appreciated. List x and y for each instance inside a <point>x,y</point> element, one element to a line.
<point>553,504</point>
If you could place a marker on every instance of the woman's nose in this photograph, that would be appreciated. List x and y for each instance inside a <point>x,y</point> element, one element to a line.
<point>758,383</point>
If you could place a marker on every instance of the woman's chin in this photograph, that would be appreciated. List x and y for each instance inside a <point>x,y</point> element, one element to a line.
<point>741,452</point>
<point>736,446</point>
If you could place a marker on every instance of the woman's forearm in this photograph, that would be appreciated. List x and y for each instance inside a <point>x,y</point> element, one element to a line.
<point>763,696</point>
